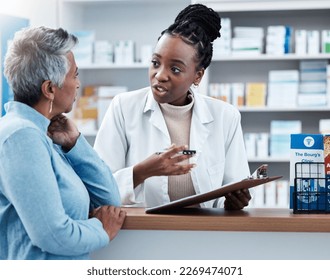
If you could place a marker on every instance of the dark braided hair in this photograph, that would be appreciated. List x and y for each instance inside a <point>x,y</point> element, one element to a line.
<point>199,26</point>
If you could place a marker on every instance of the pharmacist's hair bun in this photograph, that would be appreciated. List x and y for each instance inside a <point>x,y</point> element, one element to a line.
<point>198,26</point>
<point>202,16</point>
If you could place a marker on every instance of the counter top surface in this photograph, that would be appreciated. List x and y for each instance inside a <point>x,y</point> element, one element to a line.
<point>210,219</point>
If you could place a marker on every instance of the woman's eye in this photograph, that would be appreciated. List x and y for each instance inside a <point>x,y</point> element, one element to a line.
<point>176,70</point>
<point>154,63</point>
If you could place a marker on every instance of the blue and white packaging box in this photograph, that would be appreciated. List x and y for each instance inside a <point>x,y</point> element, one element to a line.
<point>326,145</point>
<point>306,148</point>
<point>83,52</point>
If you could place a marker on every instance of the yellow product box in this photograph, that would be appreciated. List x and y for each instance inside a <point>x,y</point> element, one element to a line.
<point>86,107</point>
<point>255,94</point>
<point>90,91</point>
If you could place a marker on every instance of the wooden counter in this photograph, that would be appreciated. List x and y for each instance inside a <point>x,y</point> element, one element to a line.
<point>215,234</point>
<point>263,220</point>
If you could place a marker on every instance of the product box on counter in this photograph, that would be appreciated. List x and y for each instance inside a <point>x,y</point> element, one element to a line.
<point>326,145</point>
<point>307,148</point>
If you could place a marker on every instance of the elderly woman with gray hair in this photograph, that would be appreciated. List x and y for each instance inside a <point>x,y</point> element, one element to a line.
<point>53,203</point>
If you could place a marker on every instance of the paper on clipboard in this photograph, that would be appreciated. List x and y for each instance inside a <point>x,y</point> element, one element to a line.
<point>259,177</point>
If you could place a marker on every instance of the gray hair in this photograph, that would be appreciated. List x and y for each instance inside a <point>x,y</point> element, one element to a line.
<point>35,55</point>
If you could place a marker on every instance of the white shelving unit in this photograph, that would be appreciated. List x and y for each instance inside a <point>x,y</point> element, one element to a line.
<point>264,5</point>
<point>139,20</point>
<point>261,57</point>
<point>309,15</point>
<point>143,20</point>
<point>108,66</point>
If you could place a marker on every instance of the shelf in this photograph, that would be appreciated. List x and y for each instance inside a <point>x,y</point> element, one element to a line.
<point>114,1</point>
<point>112,66</point>
<point>263,57</point>
<point>277,109</point>
<point>281,5</point>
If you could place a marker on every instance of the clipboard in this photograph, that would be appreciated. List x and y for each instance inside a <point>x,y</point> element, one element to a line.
<point>259,177</point>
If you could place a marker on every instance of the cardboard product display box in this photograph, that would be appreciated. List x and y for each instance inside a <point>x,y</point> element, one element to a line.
<point>307,172</point>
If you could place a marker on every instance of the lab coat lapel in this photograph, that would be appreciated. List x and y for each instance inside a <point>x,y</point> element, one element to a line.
<point>156,116</point>
<point>199,131</point>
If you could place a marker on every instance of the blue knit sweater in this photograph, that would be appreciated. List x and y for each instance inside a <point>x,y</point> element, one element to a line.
<point>46,194</point>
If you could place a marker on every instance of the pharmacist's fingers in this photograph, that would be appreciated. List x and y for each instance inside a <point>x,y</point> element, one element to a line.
<point>237,200</point>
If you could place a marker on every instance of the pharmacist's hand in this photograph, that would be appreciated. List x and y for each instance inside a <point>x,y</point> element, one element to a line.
<point>166,163</point>
<point>111,217</point>
<point>237,200</point>
<point>63,132</point>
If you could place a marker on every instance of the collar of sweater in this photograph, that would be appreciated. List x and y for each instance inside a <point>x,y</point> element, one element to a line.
<point>178,110</point>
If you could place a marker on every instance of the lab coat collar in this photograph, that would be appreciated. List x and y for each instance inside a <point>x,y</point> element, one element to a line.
<point>201,118</point>
<point>151,103</point>
<point>156,116</point>
<point>200,109</point>
<point>199,130</point>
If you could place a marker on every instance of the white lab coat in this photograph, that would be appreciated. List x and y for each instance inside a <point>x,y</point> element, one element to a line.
<point>134,128</point>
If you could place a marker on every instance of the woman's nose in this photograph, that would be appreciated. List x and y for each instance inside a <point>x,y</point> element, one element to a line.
<point>161,75</point>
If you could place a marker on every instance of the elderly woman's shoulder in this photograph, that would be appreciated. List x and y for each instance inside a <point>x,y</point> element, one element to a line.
<point>11,126</point>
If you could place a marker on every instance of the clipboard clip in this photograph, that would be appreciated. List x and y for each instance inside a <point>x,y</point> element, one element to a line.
<point>260,172</point>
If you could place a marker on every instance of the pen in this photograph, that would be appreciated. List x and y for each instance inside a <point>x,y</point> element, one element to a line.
<point>184,152</point>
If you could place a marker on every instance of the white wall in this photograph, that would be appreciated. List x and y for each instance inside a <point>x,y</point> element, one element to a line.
<point>39,12</point>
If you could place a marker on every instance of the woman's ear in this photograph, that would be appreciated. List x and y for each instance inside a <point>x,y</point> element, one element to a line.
<point>47,89</point>
<point>199,75</point>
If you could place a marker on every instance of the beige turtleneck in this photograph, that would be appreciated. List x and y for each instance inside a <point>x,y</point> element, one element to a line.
<point>178,121</point>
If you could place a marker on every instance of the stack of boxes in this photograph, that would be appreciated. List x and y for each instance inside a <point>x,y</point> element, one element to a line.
<point>283,88</point>
<point>103,52</point>
<point>124,52</point>
<point>309,86</point>
<point>83,51</point>
<point>271,195</point>
<point>280,131</point>
<point>325,41</point>
<point>247,40</point>
<point>312,41</point>
<point>229,92</point>
<point>105,94</point>
<point>222,45</point>
<point>91,51</point>
<point>92,105</point>
<point>278,40</point>
<point>313,83</point>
